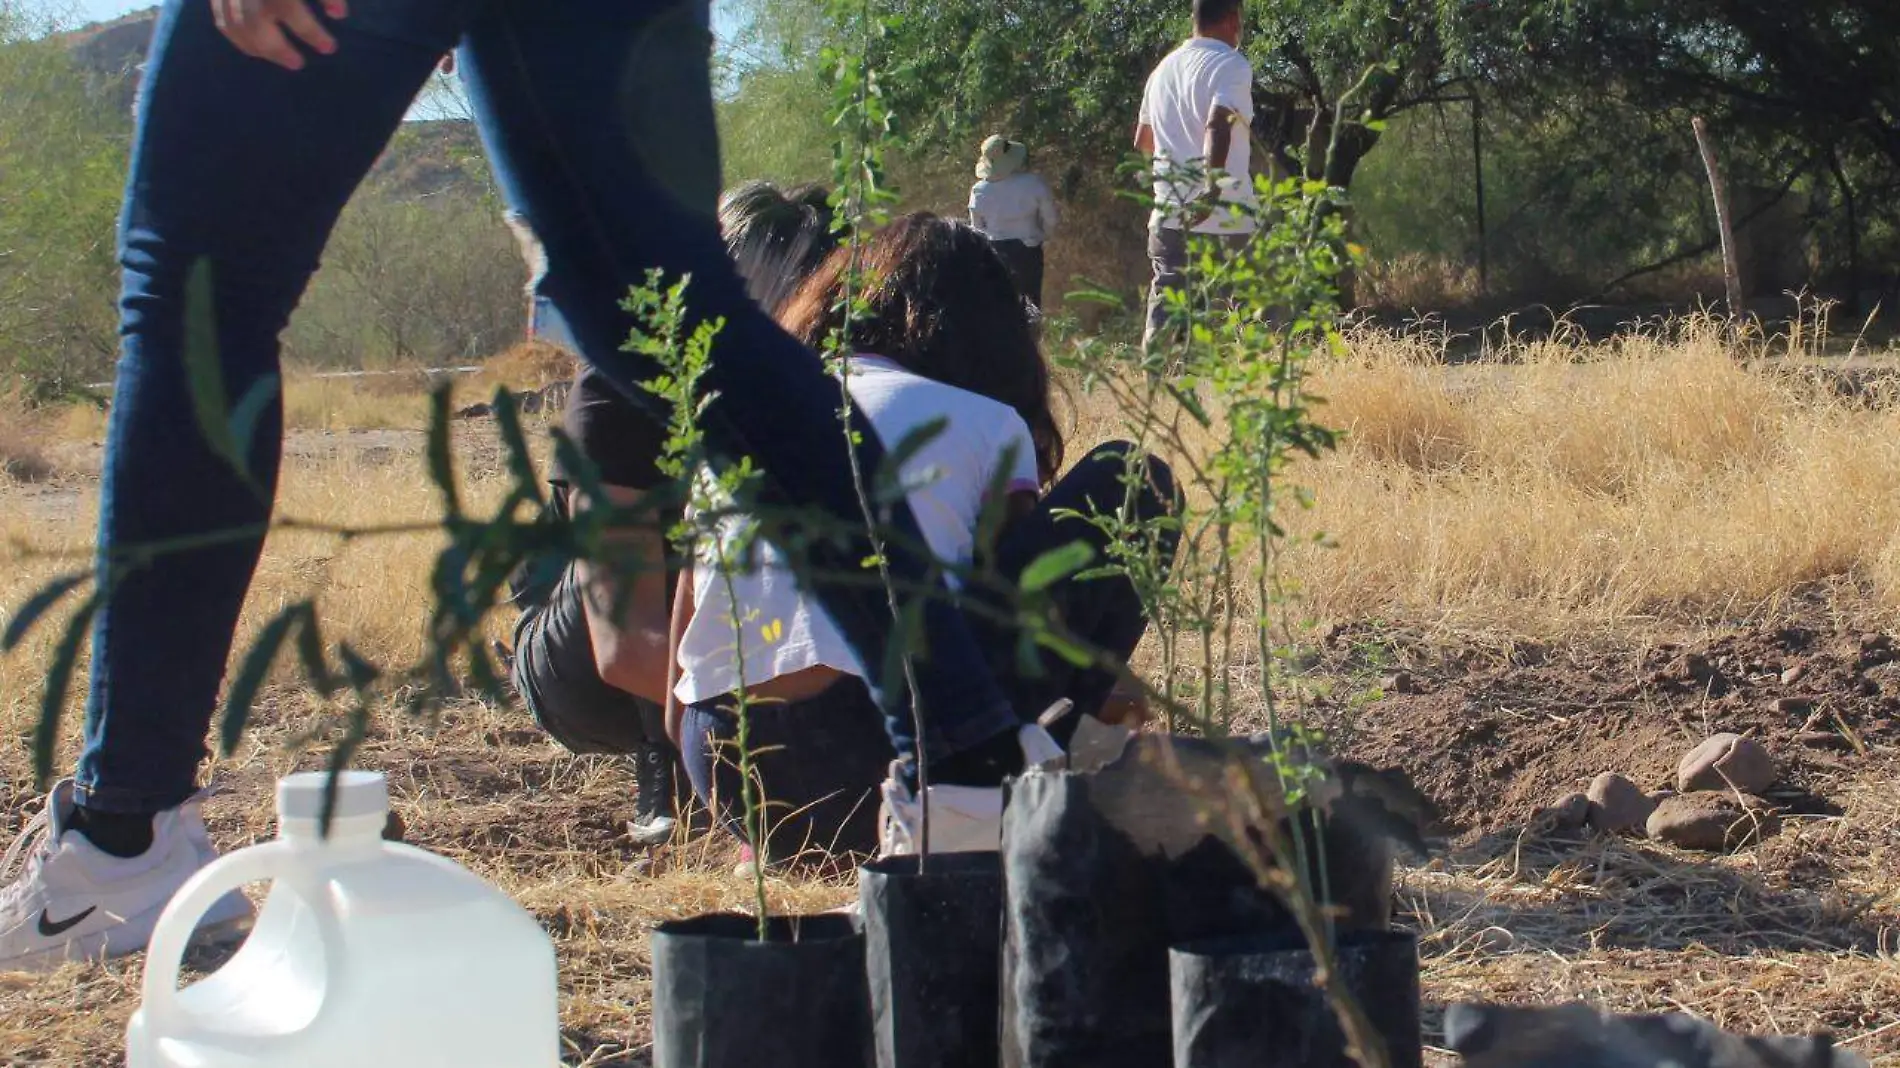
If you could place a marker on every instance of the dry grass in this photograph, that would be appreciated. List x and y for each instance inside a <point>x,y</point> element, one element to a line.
<point>1794,935</point>
<point>1558,489</point>
<point>23,436</point>
<point>374,402</point>
<point>1639,484</point>
<point>1646,480</point>
<point>528,365</point>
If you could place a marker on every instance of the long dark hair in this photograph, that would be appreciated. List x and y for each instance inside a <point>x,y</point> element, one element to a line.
<point>776,237</point>
<point>939,302</point>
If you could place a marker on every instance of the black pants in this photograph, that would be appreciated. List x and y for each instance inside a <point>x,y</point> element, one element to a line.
<point>1168,256</point>
<point>1025,267</point>
<point>819,761</point>
<point>555,673</point>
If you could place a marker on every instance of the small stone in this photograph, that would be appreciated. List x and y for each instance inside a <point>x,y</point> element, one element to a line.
<point>1875,649</point>
<point>1822,740</point>
<point>1712,821</point>
<point>1726,762</point>
<point>1692,667</point>
<point>1794,674</point>
<point>1401,682</point>
<point>1885,677</point>
<point>1565,818</point>
<point>1495,940</point>
<point>1617,805</point>
<point>1793,706</point>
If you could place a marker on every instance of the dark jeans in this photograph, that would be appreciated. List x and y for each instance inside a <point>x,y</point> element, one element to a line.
<point>1106,612</point>
<point>1025,267</point>
<point>1168,256</point>
<point>819,761</point>
<point>598,119</point>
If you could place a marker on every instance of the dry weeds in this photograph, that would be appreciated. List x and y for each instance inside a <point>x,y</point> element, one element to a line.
<point>1556,489</point>
<point>23,435</point>
<point>1562,495</point>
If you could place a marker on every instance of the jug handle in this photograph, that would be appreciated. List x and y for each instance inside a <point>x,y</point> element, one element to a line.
<point>166,953</point>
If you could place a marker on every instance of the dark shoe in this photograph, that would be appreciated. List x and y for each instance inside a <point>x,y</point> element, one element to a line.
<point>656,804</point>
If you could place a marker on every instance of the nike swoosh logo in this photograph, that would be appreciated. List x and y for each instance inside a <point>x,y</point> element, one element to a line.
<point>50,928</point>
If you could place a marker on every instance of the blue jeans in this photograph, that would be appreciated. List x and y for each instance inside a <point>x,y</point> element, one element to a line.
<point>598,118</point>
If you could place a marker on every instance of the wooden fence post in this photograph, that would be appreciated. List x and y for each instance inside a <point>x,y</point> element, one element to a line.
<point>1731,268</point>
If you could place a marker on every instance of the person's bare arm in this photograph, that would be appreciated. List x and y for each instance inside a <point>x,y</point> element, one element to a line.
<point>1144,139</point>
<point>682,612</point>
<point>263,29</point>
<point>628,627</point>
<point>1215,143</point>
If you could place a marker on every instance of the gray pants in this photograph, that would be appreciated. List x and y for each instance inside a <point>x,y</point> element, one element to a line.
<point>1167,254</point>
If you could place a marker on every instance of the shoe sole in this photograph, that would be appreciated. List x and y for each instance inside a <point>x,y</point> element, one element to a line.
<point>99,945</point>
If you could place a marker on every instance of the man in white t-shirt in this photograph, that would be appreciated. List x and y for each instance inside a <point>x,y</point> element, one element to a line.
<point>1194,113</point>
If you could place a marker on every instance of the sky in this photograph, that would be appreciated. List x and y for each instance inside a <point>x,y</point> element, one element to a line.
<point>101,10</point>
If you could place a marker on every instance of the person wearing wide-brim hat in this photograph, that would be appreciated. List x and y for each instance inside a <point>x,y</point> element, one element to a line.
<point>1013,206</point>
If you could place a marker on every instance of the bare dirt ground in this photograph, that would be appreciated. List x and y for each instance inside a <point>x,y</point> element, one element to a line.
<point>1794,934</point>
<point>1622,666</point>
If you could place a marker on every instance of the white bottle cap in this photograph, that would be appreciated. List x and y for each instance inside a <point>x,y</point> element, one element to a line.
<point>358,793</point>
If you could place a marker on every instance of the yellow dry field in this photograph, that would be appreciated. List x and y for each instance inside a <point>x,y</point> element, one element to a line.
<point>1571,496</point>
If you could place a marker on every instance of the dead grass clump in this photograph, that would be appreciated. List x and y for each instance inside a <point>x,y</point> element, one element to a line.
<point>23,434</point>
<point>528,365</point>
<point>1416,280</point>
<point>338,404</point>
<point>1562,488</point>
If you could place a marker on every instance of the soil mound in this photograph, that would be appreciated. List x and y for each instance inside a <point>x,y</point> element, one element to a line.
<point>1492,737</point>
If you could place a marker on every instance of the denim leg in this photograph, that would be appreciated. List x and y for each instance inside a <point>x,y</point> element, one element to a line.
<point>244,167</point>
<point>598,117</point>
<point>817,763</point>
<point>1167,257</point>
<point>1105,612</point>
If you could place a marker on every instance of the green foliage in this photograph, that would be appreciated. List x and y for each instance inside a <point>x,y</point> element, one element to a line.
<point>413,275</point>
<point>1574,198</point>
<point>1071,74</point>
<point>710,533</point>
<point>420,268</point>
<point>1800,96</point>
<point>62,150</point>
<point>774,127</point>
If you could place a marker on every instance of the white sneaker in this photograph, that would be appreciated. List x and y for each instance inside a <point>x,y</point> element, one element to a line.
<point>963,819</point>
<point>69,900</point>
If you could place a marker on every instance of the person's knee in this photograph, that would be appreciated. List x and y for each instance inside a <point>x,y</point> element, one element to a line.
<point>1160,494</point>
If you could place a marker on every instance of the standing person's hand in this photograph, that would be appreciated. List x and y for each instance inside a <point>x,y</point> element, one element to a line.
<point>263,28</point>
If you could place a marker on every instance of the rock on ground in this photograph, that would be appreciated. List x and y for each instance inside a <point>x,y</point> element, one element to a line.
<point>1712,821</point>
<point>1727,761</point>
<point>1617,805</point>
<point>1567,816</point>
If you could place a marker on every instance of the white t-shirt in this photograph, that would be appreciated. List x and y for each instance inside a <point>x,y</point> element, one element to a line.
<point>1183,90</point>
<point>1017,208</point>
<point>945,482</point>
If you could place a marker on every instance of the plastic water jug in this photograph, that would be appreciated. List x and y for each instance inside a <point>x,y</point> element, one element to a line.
<point>366,953</point>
